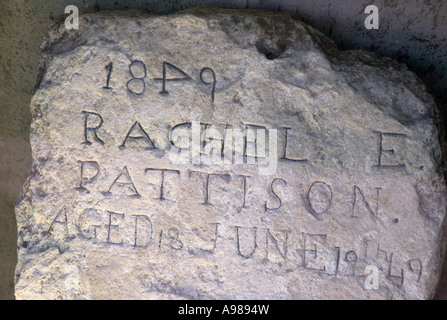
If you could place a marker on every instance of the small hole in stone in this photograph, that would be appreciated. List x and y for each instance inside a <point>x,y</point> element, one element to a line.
<point>271,49</point>
<point>271,56</point>
<point>396,220</point>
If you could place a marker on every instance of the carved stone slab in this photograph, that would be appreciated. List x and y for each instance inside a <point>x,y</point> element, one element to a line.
<point>227,154</point>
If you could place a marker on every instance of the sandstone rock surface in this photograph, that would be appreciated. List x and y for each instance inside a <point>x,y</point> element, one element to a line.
<point>223,154</point>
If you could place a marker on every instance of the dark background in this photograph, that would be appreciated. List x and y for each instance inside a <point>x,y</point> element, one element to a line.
<point>413,32</point>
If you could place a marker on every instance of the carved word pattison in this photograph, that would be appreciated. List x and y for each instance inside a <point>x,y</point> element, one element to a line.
<point>317,198</point>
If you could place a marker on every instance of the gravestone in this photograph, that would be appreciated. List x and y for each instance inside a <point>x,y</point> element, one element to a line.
<point>227,154</point>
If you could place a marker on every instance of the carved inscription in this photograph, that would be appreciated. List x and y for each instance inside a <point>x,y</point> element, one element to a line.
<point>138,72</point>
<point>224,194</point>
<point>304,251</point>
<point>387,157</point>
<point>210,143</point>
<point>92,122</point>
<point>315,252</point>
<point>203,142</point>
<point>317,198</point>
<point>175,163</point>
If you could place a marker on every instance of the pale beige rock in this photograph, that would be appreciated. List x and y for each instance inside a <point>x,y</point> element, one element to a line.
<point>347,187</point>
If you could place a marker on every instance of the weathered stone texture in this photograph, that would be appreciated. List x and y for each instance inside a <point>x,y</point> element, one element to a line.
<point>349,176</point>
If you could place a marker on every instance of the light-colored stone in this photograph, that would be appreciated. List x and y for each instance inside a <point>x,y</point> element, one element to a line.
<point>99,219</point>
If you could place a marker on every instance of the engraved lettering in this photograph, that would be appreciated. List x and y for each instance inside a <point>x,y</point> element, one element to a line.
<point>60,219</point>
<point>92,122</point>
<point>195,142</point>
<point>180,142</point>
<point>89,174</point>
<point>337,260</point>
<point>275,195</point>
<point>351,257</point>
<point>89,221</point>
<point>136,85</point>
<point>314,258</point>
<point>233,145</point>
<point>238,242</point>
<point>124,184</point>
<point>254,143</point>
<point>164,79</point>
<point>180,135</point>
<point>381,252</point>
<point>109,69</point>
<point>286,142</point>
<point>212,83</point>
<point>141,136</point>
<point>358,193</point>
<point>212,145</point>
<point>318,199</point>
<point>162,184</point>
<point>206,184</point>
<point>143,230</point>
<point>388,154</point>
<point>397,280</point>
<point>282,250</point>
<point>415,266</point>
<point>115,227</point>
<point>244,189</point>
<point>213,240</point>
<point>174,240</point>
<point>365,245</point>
